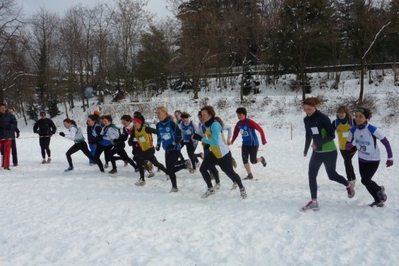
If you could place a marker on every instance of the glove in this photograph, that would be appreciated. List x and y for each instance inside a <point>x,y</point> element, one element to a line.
<point>389,163</point>
<point>157,147</point>
<point>197,137</point>
<point>171,146</point>
<point>349,146</point>
<point>352,151</point>
<point>17,135</point>
<point>62,134</point>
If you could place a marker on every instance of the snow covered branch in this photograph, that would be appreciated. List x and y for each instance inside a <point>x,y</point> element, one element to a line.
<point>375,38</point>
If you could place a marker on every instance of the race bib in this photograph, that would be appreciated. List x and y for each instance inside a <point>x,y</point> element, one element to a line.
<point>315,130</point>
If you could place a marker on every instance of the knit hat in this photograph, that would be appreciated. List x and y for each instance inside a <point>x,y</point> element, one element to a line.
<point>366,112</point>
<point>42,113</point>
<point>96,112</point>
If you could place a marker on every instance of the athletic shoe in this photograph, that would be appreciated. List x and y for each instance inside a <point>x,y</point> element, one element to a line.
<point>192,171</point>
<point>149,166</point>
<point>48,160</point>
<point>15,164</point>
<point>234,186</point>
<point>377,204</point>
<point>7,168</point>
<point>264,163</point>
<point>140,183</point>
<point>312,205</point>
<point>353,182</point>
<point>125,163</point>
<point>106,165</point>
<point>44,161</point>
<point>350,190</point>
<point>151,174</point>
<point>68,169</point>
<point>174,190</point>
<point>249,177</point>
<point>234,162</point>
<point>113,171</point>
<point>381,194</point>
<point>216,186</point>
<point>243,193</point>
<point>208,193</point>
<point>188,165</point>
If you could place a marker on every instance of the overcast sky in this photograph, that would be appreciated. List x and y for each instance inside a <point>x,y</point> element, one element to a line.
<point>157,7</point>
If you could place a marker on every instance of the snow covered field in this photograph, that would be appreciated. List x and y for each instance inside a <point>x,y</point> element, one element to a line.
<point>48,217</point>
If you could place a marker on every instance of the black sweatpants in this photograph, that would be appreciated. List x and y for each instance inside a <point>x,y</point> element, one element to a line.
<point>148,155</point>
<point>174,163</point>
<point>45,146</point>
<point>120,150</point>
<point>329,159</point>
<point>367,171</point>
<point>251,152</point>
<point>82,146</point>
<point>347,156</point>
<point>224,163</point>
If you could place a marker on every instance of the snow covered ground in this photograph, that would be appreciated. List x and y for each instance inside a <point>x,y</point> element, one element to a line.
<point>48,217</point>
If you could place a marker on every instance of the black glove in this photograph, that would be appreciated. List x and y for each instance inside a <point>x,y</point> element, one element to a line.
<point>62,134</point>
<point>157,147</point>
<point>171,146</point>
<point>17,135</point>
<point>197,137</point>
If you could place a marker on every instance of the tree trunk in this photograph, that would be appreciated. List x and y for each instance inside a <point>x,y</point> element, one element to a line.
<point>361,81</point>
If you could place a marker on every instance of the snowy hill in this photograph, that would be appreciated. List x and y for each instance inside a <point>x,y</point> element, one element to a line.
<point>49,217</point>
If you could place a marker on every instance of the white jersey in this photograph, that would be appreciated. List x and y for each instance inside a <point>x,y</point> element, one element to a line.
<point>365,141</point>
<point>75,134</point>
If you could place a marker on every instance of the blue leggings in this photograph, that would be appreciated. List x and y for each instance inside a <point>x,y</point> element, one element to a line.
<point>329,159</point>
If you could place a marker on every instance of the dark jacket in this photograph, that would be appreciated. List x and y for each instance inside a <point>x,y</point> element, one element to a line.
<point>44,127</point>
<point>8,124</point>
<point>319,129</point>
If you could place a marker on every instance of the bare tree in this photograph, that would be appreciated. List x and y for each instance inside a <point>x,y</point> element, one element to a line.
<point>130,19</point>
<point>43,40</point>
<point>9,25</point>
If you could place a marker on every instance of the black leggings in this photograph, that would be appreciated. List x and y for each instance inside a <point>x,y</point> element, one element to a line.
<point>14,152</point>
<point>120,150</point>
<point>82,146</point>
<point>347,156</point>
<point>174,163</point>
<point>148,155</point>
<point>367,171</point>
<point>251,152</point>
<point>224,163</point>
<point>191,146</point>
<point>329,159</point>
<point>100,149</point>
<point>45,146</point>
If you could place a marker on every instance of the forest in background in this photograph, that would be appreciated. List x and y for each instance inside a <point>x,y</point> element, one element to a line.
<point>119,48</point>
